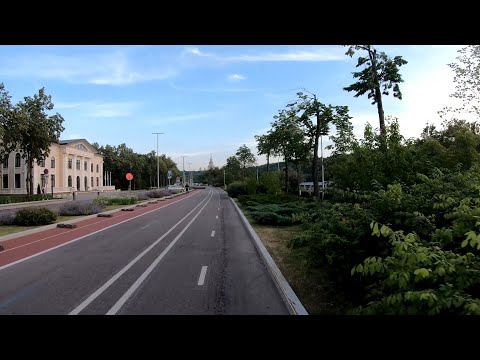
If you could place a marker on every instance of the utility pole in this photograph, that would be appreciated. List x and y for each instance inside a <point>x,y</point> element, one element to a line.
<point>189,174</point>
<point>158,162</point>
<point>224,184</point>
<point>183,157</point>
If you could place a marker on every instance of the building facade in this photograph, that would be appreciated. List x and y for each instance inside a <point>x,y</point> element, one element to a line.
<point>72,165</point>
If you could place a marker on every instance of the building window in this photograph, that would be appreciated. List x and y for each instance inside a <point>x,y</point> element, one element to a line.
<point>5,162</point>
<point>86,183</point>
<point>52,179</point>
<point>17,181</point>
<point>69,181</point>
<point>43,182</point>
<point>41,163</point>
<point>92,181</point>
<point>91,168</point>
<point>17,160</point>
<point>97,167</point>
<point>69,163</point>
<point>5,181</point>
<point>97,181</point>
<point>78,164</point>
<point>85,166</point>
<point>52,163</point>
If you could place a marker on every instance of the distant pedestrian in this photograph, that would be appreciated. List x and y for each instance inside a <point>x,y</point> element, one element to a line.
<point>186,187</point>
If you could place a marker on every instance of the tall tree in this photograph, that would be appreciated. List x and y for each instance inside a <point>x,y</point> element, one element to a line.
<point>325,115</point>
<point>380,74</point>
<point>232,169</point>
<point>467,80</point>
<point>288,139</point>
<point>265,147</point>
<point>245,157</point>
<point>32,131</point>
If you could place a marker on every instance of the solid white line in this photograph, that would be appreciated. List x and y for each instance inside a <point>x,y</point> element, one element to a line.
<point>147,272</point>
<point>79,238</point>
<point>114,278</point>
<point>203,272</point>
<point>213,233</point>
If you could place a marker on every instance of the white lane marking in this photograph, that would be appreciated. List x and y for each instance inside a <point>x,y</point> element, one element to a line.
<point>213,233</point>
<point>147,272</point>
<point>114,278</point>
<point>144,227</point>
<point>216,217</point>
<point>69,231</point>
<point>203,272</point>
<point>218,208</point>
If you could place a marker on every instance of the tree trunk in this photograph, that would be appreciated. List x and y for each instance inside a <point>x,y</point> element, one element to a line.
<point>378,98</point>
<point>316,191</point>
<point>268,162</point>
<point>286,176</point>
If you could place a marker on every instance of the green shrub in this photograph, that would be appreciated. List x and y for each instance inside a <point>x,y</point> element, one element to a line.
<point>270,183</point>
<point>236,189</point>
<point>418,278</point>
<point>75,208</point>
<point>35,217</point>
<point>10,199</point>
<point>251,186</point>
<point>271,218</point>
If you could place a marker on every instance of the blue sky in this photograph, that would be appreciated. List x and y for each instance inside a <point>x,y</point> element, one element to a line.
<point>211,99</point>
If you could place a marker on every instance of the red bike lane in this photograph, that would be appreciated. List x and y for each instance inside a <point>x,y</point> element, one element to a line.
<point>28,245</point>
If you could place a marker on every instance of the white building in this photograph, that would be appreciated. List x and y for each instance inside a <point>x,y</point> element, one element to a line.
<point>70,165</point>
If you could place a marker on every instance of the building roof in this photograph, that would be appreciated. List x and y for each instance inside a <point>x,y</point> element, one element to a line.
<point>66,142</point>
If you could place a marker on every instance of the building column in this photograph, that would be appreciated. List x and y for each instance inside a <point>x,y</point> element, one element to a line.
<point>74,166</point>
<point>65,168</point>
<point>82,180</point>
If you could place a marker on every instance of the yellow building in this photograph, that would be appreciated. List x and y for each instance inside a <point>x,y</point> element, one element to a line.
<point>71,165</point>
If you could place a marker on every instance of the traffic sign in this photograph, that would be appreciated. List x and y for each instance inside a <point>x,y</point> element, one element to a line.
<point>178,179</point>
<point>129,176</point>
<point>45,171</point>
<point>169,173</point>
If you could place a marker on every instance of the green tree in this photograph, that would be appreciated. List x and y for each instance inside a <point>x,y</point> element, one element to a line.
<point>309,106</point>
<point>467,88</point>
<point>245,157</point>
<point>380,74</point>
<point>232,170</point>
<point>265,147</point>
<point>32,131</point>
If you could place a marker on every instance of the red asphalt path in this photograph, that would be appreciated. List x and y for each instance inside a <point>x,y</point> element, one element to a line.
<point>28,245</point>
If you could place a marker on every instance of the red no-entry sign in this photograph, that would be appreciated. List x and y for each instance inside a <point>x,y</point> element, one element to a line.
<point>129,176</point>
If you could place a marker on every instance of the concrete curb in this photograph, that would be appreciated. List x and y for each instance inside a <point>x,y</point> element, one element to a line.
<point>294,305</point>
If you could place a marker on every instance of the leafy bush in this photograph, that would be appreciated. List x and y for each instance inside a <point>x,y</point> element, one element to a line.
<point>117,200</point>
<point>10,199</point>
<point>270,183</point>
<point>236,189</point>
<point>79,208</point>
<point>421,278</point>
<point>159,193</point>
<point>7,218</point>
<point>271,218</point>
<point>251,186</point>
<point>142,196</point>
<point>35,217</point>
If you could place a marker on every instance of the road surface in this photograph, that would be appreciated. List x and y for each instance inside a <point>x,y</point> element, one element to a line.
<point>187,255</point>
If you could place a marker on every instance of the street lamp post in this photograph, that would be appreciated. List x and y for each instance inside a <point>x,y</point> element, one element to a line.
<point>189,174</point>
<point>183,157</point>
<point>158,162</point>
<point>224,184</point>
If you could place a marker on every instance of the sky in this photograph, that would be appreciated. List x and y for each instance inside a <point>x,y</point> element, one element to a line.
<point>209,100</point>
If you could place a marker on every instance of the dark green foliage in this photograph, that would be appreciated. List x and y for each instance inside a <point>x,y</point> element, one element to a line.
<point>251,186</point>
<point>10,199</point>
<point>35,217</point>
<point>7,218</point>
<point>236,189</point>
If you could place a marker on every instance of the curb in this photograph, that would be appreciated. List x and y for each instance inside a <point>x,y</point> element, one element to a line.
<point>293,303</point>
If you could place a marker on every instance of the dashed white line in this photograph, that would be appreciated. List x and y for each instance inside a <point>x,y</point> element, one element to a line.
<point>115,308</point>
<point>203,272</point>
<point>216,217</point>
<point>213,233</point>
<point>114,278</point>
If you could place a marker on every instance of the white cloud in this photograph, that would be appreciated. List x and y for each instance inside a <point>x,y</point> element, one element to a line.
<point>104,69</point>
<point>100,110</point>
<point>211,90</point>
<point>236,77</point>
<point>318,54</point>
<point>163,119</point>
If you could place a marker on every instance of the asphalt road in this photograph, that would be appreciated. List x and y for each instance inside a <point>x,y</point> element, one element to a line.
<point>192,257</point>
